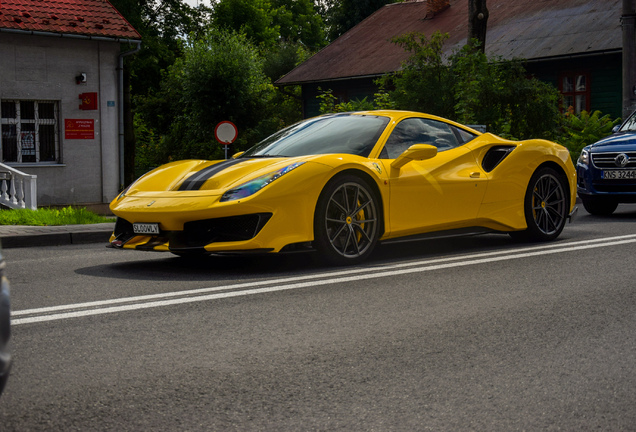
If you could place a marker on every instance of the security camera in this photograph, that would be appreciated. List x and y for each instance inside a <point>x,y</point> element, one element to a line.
<point>81,78</point>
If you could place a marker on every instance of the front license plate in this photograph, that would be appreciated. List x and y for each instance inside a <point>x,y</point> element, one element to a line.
<point>146,228</point>
<point>619,174</point>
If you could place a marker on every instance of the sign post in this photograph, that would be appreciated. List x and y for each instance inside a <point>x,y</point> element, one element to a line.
<point>225,133</point>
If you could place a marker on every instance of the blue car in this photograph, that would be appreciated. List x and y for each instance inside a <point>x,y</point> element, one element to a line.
<point>606,170</point>
<point>5,326</point>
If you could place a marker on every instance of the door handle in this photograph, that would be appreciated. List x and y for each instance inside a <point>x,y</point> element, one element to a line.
<point>475,174</point>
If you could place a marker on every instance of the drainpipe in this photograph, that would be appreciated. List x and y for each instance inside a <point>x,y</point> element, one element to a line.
<point>120,75</point>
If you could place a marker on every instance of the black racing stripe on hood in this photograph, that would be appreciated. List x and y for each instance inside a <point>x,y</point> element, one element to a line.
<point>196,180</point>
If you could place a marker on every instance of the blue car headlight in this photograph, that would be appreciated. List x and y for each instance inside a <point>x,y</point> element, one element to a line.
<point>584,158</point>
<point>253,186</point>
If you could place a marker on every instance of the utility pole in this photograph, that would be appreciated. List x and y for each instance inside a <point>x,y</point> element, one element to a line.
<point>478,21</point>
<point>628,20</point>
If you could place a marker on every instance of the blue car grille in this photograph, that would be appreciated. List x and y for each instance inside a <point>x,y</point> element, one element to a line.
<point>615,188</point>
<point>608,160</point>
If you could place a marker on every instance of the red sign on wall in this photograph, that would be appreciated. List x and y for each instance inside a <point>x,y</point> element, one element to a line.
<point>89,101</point>
<point>79,129</point>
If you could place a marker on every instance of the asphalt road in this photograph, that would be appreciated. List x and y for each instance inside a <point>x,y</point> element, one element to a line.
<point>475,333</point>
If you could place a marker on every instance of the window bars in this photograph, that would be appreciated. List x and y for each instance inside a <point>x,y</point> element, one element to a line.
<point>29,131</point>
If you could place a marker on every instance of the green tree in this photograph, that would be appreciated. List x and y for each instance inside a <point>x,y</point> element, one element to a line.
<point>161,25</point>
<point>341,15</point>
<point>499,94</point>
<point>300,22</point>
<point>424,82</point>
<point>254,18</point>
<point>472,89</point>
<point>220,77</point>
<point>268,22</point>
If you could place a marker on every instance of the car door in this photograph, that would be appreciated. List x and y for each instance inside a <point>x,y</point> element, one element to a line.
<point>445,191</point>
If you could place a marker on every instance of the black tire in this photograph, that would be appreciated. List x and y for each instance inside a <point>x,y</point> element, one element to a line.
<point>347,221</point>
<point>599,206</point>
<point>546,206</point>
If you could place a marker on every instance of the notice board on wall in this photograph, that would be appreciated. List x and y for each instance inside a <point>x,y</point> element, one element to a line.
<point>79,129</point>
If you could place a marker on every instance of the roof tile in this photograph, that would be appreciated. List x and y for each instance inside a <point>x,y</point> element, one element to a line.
<point>76,17</point>
<point>530,29</point>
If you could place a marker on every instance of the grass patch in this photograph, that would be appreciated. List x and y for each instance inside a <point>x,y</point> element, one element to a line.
<point>51,216</point>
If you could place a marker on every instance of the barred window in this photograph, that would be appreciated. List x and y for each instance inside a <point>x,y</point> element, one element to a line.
<point>29,131</point>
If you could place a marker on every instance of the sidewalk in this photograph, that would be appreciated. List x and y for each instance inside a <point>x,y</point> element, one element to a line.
<point>14,236</point>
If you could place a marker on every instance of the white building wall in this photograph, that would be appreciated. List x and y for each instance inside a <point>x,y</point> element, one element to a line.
<point>44,68</point>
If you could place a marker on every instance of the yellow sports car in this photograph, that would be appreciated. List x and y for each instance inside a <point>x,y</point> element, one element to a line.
<point>339,183</point>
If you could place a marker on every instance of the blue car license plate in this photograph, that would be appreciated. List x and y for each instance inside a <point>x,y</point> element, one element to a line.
<point>619,174</point>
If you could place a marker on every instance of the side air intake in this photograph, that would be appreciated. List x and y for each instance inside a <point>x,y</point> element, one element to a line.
<point>494,157</point>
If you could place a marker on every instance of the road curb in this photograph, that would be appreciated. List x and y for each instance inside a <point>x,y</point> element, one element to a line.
<point>55,239</point>
<point>18,236</point>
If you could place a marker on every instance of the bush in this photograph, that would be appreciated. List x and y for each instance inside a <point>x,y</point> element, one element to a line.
<point>499,94</point>
<point>220,77</point>
<point>424,82</point>
<point>329,103</point>
<point>578,131</point>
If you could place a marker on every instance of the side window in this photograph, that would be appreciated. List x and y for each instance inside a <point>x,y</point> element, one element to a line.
<point>419,131</point>
<point>464,136</point>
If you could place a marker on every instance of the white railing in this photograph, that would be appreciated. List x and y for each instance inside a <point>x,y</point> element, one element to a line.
<point>18,189</point>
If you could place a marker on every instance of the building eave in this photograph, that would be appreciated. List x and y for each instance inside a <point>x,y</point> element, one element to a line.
<point>71,36</point>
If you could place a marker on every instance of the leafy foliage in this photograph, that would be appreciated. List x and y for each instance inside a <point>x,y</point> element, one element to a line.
<point>499,94</point>
<point>220,77</point>
<point>578,131</point>
<point>161,24</point>
<point>266,22</point>
<point>471,89</point>
<point>329,104</point>
<point>149,152</point>
<point>253,18</point>
<point>424,83</point>
<point>341,15</point>
<point>299,22</point>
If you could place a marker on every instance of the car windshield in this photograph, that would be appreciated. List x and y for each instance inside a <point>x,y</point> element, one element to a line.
<point>629,125</point>
<point>334,133</point>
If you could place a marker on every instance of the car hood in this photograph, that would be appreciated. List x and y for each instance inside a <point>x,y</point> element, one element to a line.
<point>199,177</point>
<point>622,141</point>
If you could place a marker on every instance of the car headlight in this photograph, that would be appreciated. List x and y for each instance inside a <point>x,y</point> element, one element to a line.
<point>253,186</point>
<point>584,158</point>
<point>123,193</point>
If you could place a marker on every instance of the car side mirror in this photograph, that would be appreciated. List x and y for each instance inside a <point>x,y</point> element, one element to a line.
<point>235,155</point>
<point>616,128</point>
<point>415,152</point>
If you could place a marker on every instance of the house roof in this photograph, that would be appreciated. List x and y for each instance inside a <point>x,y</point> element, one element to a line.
<point>528,29</point>
<point>89,18</point>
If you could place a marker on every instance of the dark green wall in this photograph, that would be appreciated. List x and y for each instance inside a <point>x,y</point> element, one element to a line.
<point>605,78</point>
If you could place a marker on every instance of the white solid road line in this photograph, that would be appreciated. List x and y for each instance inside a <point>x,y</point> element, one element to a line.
<point>283,284</point>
